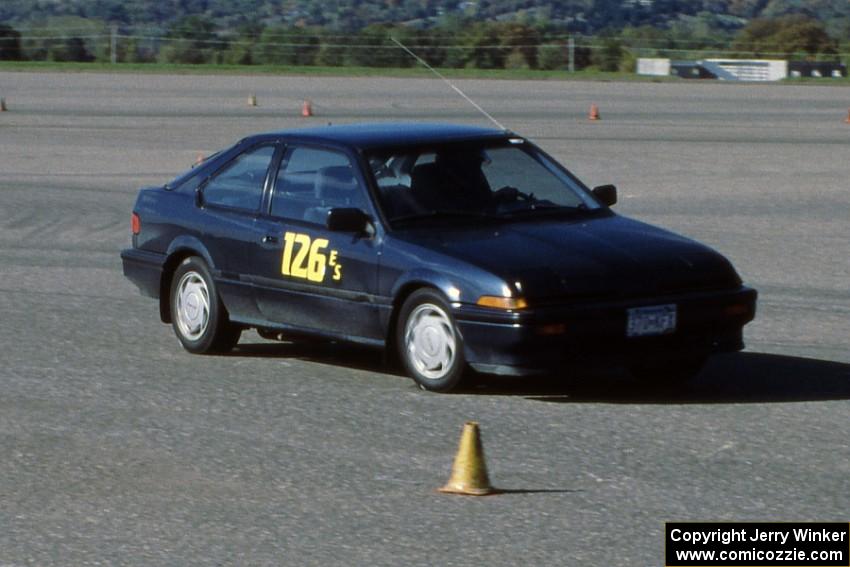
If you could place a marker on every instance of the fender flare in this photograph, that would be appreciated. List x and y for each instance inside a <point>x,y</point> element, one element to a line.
<point>181,247</point>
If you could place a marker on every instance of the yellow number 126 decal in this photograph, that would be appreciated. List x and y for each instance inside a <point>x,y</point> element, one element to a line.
<point>305,258</point>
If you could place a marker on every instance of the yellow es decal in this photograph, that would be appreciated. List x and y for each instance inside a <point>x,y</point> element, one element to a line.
<point>306,258</point>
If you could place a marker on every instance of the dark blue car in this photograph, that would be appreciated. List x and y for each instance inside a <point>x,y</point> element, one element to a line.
<point>453,246</point>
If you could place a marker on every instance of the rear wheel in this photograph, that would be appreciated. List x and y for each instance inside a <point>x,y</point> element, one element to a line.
<point>428,342</point>
<point>198,316</point>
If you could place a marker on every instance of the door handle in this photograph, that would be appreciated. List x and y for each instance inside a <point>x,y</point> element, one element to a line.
<point>270,239</point>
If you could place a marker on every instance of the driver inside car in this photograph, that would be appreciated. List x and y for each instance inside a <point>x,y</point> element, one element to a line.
<point>455,181</point>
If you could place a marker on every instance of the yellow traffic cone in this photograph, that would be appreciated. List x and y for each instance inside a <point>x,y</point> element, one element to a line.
<point>469,472</point>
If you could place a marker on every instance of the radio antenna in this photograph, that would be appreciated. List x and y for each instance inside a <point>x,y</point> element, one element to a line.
<point>449,83</point>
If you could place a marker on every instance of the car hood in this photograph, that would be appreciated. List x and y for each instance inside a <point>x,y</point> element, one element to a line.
<point>603,257</point>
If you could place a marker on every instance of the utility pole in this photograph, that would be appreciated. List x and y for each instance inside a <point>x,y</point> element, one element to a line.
<point>571,48</point>
<point>113,45</point>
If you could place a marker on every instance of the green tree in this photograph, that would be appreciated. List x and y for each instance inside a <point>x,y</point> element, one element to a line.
<point>331,54</point>
<point>647,40</point>
<point>456,27</point>
<point>374,48</point>
<point>516,60</point>
<point>242,48</point>
<point>192,40</point>
<point>785,36</point>
<point>608,55</point>
<point>134,50</point>
<point>84,40</point>
<point>430,45</point>
<point>552,57</point>
<point>487,51</point>
<point>522,39</point>
<point>10,43</point>
<point>72,49</point>
<point>288,46</point>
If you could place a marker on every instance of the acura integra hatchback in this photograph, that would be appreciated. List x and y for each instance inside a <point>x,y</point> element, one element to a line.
<point>452,246</point>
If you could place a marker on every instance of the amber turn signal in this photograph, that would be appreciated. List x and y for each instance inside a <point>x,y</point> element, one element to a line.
<point>509,303</point>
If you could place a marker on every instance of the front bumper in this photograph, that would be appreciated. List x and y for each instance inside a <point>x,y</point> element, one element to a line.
<point>549,337</point>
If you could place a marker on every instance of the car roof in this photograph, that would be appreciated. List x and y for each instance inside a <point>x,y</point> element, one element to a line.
<point>377,134</point>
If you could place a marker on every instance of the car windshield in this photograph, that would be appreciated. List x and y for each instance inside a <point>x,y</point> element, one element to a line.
<point>501,181</point>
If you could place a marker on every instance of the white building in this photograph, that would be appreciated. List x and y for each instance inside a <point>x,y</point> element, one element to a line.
<point>723,69</point>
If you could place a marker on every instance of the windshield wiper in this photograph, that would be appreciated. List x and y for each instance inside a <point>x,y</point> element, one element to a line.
<point>546,208</point>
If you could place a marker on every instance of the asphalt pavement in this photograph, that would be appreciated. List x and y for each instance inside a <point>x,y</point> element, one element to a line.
<point>119,448</point>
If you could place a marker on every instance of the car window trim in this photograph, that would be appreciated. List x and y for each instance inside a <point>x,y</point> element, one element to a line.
<point>253,212</point>
<point>290,146</point>
<point>531,149</point>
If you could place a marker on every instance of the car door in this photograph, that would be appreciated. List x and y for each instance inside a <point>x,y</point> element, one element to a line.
<point>231,199</point>
<point>306,276</point>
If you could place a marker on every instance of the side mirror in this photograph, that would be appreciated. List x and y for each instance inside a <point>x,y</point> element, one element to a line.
<point>348,220</point>
<point>199,197</point>
<point>607,194</point>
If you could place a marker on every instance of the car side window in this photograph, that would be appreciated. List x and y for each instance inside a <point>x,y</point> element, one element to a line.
<point>312,181</point>
<point>240,183</point>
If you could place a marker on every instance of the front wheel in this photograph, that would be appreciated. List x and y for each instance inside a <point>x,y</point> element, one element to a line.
<point>428,342</point>
<point>198,316</point>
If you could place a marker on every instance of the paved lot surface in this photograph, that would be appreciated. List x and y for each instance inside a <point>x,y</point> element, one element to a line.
<point>118,448</point>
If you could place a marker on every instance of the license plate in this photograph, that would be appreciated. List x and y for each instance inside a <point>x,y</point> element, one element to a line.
<point>653,320</point>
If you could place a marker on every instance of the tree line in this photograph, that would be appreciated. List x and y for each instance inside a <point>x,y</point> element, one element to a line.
<point>456,42</point>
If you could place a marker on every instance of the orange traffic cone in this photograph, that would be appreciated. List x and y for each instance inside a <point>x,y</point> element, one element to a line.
<point>469,472</point>
<point>594,113</point>
<point>306,109</point>
<point>847,120</point>
<point>252,99</point>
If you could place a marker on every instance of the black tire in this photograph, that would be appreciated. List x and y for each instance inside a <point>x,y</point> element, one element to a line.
<point>198,316</point>
<point>428,342</point>
<point>667,372</point>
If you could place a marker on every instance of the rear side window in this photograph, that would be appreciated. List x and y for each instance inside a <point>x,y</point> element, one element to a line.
<point>240,183</point>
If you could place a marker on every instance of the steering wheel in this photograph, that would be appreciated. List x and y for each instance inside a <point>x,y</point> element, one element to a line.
<point>508,194</point>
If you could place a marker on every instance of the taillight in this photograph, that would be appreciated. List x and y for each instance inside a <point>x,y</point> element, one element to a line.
<point>136,223</point>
